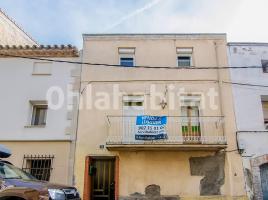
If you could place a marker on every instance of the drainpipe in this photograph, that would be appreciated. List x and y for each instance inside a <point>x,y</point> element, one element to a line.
<point>221,110</point>
<point>73,143</point>
<point>219,82</point>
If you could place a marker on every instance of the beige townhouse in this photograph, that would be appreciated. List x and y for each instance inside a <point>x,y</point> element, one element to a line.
<point>156,119</point>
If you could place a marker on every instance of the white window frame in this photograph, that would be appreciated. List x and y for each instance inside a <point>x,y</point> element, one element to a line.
<point>192,100</point>
<point>127,56</point>
<point>134,98</point>
<point>264,100</point>
<point>36,104</point>
<point>184,52</point>
<point>40,73</point>
<point>126,52</point>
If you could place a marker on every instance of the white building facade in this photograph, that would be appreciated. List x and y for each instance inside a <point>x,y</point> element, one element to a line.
<point>12,34</point>
<point>250,91</point>
<point>39,109</point>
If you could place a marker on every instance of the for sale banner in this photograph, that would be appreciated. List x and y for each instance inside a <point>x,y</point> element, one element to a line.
<point>151,127</point>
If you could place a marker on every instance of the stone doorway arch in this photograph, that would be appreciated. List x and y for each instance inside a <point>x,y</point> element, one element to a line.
<point>256,163</point>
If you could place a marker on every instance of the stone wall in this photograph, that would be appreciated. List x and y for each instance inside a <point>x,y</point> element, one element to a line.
<point>212,168</point>
<point>152,192</point>
<point>255,166</point>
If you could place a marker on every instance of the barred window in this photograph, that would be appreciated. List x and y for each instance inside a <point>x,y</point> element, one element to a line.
<point>38,166</point>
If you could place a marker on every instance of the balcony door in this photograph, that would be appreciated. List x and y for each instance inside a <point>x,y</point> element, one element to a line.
<point>132,107</point>
<point>190,124</point>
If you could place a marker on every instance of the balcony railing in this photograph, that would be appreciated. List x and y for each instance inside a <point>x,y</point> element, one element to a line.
<point>180,131</point>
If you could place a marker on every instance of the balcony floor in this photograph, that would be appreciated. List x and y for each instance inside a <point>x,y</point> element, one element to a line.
<point>163,147</point>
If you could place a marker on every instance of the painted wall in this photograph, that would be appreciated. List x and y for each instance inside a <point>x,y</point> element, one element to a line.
<point>60,150</point>
<point>245,96</point>
<point>11,34</point>
<point>19,86</point>
<point>154,50</point>
<point>247,100</point>
<point>170,170</point>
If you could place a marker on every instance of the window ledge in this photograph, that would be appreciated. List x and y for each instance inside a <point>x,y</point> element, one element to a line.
<point>41,74</point>
<point>35,126</point>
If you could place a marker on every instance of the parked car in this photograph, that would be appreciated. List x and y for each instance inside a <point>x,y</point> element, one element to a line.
<point>12,177</point>
<point>16,193</point>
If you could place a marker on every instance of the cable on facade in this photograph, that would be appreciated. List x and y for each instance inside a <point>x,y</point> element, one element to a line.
<point>140,66</point>
<point>245,84</point>
<point>230,151</point>
<point>136,66</point>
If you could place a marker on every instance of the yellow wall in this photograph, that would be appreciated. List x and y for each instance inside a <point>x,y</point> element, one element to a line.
<point>169,170</point>
<point>60,151</point>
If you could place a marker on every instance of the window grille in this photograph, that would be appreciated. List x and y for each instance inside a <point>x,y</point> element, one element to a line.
<point>39,166</point>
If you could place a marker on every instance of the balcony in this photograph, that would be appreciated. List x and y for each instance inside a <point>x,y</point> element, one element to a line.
<point>193,133</point>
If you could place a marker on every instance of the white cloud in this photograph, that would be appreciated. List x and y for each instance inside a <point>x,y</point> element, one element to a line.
<point>133,14</point>
<point>242,20</point>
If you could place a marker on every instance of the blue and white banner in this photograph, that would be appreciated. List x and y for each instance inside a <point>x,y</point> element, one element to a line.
<point>151,127</point>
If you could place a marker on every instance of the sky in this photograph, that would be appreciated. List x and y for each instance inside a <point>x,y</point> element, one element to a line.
<point>64,21</point>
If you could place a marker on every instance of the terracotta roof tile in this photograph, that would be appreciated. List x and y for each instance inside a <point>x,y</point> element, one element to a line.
<point>40,51</point>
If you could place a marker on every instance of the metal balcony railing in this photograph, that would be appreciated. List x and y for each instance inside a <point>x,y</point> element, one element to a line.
<point>179,129</point>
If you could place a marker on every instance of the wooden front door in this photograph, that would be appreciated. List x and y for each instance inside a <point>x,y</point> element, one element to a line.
<point>102,179</point>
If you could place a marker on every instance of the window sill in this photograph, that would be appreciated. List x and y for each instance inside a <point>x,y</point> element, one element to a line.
<point>185,66</point>
<point>35,126</point>
<point>41,74</point>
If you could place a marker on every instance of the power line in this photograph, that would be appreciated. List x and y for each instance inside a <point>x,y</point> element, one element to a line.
<point>140,66</point>
<point>245,84</point>
<point>136,66</point>
<point>131,81</point>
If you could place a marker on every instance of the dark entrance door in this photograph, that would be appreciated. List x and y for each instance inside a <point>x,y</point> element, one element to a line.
<point>264,180</point>
<point>102,178</point>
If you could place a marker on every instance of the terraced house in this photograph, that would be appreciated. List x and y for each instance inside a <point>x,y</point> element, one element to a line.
<point>156,119</point>
<point>41,138</point>
<point>38,115</point>
<point>251,110</point>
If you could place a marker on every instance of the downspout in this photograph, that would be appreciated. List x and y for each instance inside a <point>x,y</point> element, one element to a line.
<point>73,149</point>
<point>221,111</point>
<point>219,82</point>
